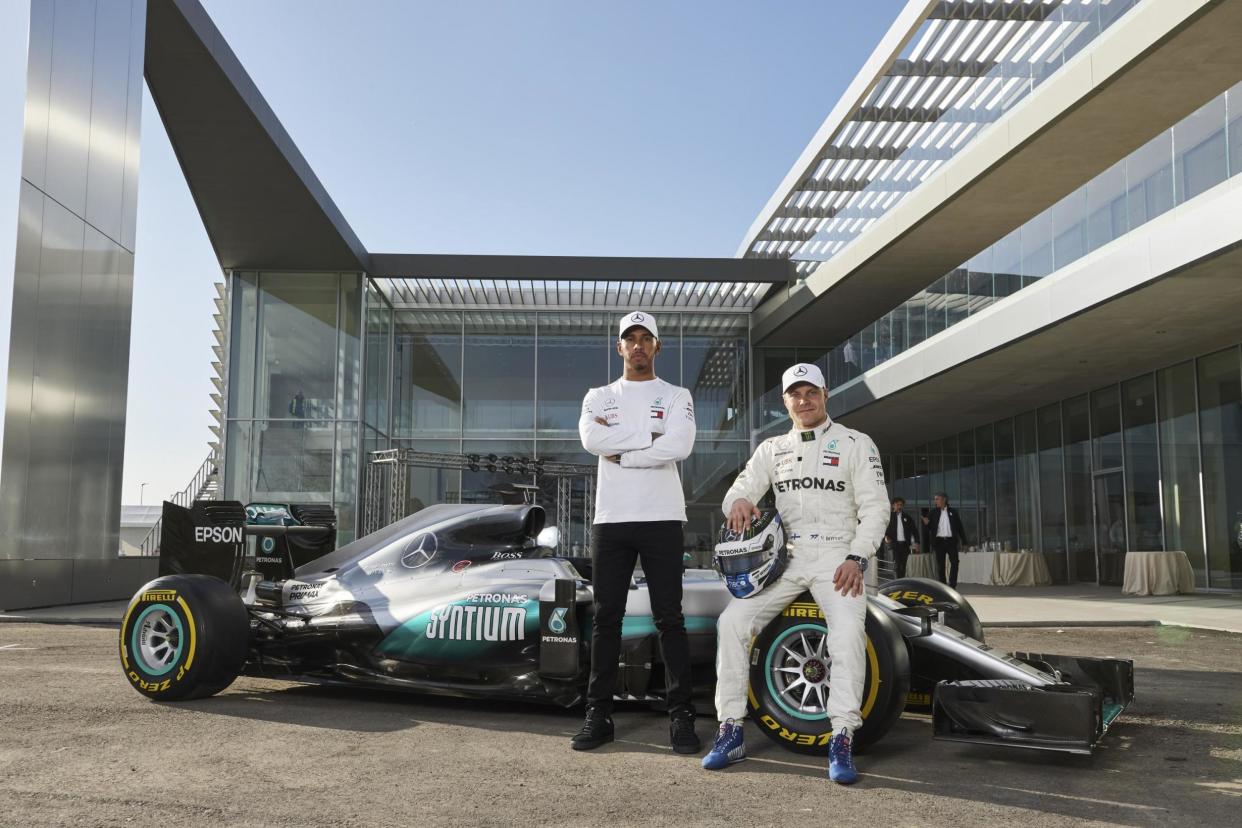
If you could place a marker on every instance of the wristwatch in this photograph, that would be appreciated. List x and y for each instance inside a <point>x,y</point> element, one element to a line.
<point>862,562</point>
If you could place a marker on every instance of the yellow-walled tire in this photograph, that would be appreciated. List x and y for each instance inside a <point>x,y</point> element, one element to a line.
<point>776,705</point>
<point>926,669</point>
<point>184,637</point>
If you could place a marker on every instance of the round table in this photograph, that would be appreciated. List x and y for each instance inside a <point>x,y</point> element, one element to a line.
<point>921,565</point>
<point>975,567</point>
<point>1157,573</point>
<point>1020,569</point>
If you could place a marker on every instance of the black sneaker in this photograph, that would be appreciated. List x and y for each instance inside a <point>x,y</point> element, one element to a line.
<point>681,732</point>
<point>596,730</point>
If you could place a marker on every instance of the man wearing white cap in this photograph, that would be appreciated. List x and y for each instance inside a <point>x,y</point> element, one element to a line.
<point>832,501</point>
<point>640,426</point>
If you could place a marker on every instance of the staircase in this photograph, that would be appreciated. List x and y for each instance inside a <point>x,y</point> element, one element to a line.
<point>203,486</point>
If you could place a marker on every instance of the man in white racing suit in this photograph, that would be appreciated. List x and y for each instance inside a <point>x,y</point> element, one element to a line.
<point>830,493</point>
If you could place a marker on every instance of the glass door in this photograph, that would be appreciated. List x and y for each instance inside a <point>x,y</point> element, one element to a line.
<point>1110,526</point>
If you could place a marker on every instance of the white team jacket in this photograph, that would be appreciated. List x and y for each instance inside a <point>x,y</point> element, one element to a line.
<point>829,487</point>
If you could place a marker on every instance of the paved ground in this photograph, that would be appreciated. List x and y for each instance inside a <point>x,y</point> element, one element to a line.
<point>79,747</point>
<point>1081,604</point>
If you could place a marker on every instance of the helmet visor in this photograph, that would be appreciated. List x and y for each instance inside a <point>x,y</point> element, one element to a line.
<point>743,561</point>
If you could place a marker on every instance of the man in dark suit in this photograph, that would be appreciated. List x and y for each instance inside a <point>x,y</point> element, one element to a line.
<point>947,536</point>
<point>901,535</point>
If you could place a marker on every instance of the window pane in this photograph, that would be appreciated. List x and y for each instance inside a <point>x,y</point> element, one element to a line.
<point>426,381</point>
<point>1233,104</point>
<point>1069,226</point>
<point>1007,259</point>
<point>952,486</point>
<point>1078,489</point>
<point>379,358</point>
<point>1106,428</point>
<point>916,319</point>
<point>573,357</point>
<point>245,323</point>
<point>294,462</point>
<point>979,281</point>
<point>1220,427</point>
<point>349,347</point>
<point>714,370</point>
<point>1142,464</point>
<point>986,461</point>
<point>1006,495</point>
<point>705,477</point>
<point>1037,261</point>
<point>968,497</point>
<point>1179,464</point>
<point>770,363</point>
<point>1149,177</point>
<point>297,345</point>
<point>1199,142</point>
<point>1106,206</point>
<point>347,491</point>
<point>936,310</point>
<point>1052,493</point>
<point>499,375</point>
<point>1027,470</point>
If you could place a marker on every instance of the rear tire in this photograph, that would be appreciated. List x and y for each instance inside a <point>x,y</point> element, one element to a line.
<point>804,727</point>
<point>184,637</point>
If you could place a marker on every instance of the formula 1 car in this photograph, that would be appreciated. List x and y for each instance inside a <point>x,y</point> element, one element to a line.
<point>463,600</point>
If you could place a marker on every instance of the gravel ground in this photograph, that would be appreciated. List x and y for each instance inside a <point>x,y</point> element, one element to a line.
<point>79,747</point>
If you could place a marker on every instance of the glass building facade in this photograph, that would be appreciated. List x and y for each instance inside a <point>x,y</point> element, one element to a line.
<point>324,370</point>
<point>1199,152</point>
<point>1148,464</point>
<point>293,418</point>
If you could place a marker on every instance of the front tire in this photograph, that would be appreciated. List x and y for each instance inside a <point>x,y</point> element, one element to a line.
<point>928,668</point>
<point>797,719</point>
<point>184,637</point>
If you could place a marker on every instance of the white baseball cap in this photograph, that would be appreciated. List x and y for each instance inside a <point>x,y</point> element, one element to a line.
<point>802,372</point>
<point>640,318</point>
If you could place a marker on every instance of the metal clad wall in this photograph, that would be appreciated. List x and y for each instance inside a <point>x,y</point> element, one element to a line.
<point>64,429</point>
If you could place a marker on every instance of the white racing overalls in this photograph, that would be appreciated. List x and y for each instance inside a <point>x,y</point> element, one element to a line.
<point>830,493</point>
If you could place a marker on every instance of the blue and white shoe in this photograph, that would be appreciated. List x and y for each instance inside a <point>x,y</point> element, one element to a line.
<point>841,758</point>
<point>729,748</point>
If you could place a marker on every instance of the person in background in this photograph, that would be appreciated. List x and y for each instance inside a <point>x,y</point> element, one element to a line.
<point>948,536</point>
<point>901,535</point>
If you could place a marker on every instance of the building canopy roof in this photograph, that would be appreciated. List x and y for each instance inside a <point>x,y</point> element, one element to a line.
<point>943,72</point>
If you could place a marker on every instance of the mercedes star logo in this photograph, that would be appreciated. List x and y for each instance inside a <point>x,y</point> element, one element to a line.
<point>800,371</point>
<point>638,317</point>
<point>419,551</point>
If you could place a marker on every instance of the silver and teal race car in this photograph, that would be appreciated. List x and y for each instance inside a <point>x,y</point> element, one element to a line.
<point>464,600</point>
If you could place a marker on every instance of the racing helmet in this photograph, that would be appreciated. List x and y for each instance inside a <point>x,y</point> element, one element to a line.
<point>753,558</point>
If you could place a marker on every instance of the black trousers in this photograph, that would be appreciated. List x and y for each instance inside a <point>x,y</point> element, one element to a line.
<point>901,552</point>
<point>943,547</point>
<point>658,544</point>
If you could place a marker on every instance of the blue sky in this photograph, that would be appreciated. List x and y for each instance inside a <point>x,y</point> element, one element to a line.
<point>575,128</point>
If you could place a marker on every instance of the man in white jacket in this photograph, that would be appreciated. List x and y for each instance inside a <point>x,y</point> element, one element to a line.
<point>831,497</point>
<point>640,426</point>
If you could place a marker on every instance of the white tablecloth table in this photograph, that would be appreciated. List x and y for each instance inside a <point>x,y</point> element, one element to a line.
<point>1157,573</point>
<point>975,567</point>
<point>1020,569</point>
<point>921,565</point>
